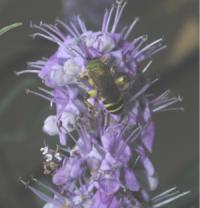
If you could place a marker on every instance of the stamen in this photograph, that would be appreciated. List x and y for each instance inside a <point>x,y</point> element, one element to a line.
<point>147,66</point>
<point>84,136</point>
<point>72,137</point>
<point>106,120</point>
<point>70,30</point>
<point>38,193</point>
<point>170,199</point>
<point>82,25</point>
<point>157,50</point>
<point>45,37</point>
<point>109,19</point>
<point>54,29</point>
<point>37,64</point>
<point>163,193</point>
<point>65,149</point>
<point>76,52</point>
<point>136,132</point>
<point>69,133</point>
<point>172,109</point>
<point>151,46</point>
<point>135,21</point>
<point>47,34</point>
<point>28,91</point>
<point>75,29</point>
<point>46,91</point>
<point>48,188</point>
<point>119,10</point>
<point>166,196</point>
<point>138,42</point>
<point>162,96</point>
<point>123,30</point>
<point>105,17</point>
<point>140,92</point>
<point>26,184</point>
<point>18,73</point>
<point>136,161</point>
<point>124,129</point>
<point>178,99</point>
<point>166,100</point>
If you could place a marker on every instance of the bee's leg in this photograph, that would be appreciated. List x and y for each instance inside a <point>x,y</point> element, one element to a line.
<point>91,82</point>
<point>122,82</point>
<point>90,94</point>
<point>83,75</point>
<point>88,104</point>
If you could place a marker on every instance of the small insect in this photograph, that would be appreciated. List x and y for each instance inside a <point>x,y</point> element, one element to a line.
<point>102,78</point>
<point>52,159</point>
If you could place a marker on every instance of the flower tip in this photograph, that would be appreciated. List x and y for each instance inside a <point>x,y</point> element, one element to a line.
<point>33,179</point>
<point>180,98</point>
<point>26,184</point>
<point>27,91</point>
<point>16,73</point>
<point>137,19</point>
<point>120,2</point>
<point>32,36</point>
<point>31,24</point>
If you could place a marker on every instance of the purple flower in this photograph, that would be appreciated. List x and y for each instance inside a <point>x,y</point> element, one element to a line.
<point>104,160</point>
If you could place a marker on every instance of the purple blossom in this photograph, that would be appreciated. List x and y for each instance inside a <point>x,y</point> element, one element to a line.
<point>106,156</point>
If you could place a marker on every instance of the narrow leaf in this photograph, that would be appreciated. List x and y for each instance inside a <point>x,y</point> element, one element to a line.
<point>9,27</point>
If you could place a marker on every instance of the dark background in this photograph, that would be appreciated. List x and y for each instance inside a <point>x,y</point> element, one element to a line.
<point>21,116</point>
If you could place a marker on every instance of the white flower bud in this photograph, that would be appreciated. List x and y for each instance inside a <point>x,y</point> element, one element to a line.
<point>90,40</point>
<point>50,126</point>
<point>71,67</point>
<point>57,75</point>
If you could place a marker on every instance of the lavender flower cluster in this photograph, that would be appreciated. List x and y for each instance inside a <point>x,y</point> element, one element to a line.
<point>103,157</point>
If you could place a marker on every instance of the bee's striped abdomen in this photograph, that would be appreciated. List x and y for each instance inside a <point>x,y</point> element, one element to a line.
<point>101,78</point>
<point>114,108</point>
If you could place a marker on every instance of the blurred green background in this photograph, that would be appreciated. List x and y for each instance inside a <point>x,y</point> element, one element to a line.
<point>21,116</point>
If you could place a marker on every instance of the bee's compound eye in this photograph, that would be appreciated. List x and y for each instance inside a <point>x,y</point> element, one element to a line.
<point>48,157</point>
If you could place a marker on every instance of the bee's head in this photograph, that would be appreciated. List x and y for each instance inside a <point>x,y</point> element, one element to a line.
<point>95,64</point>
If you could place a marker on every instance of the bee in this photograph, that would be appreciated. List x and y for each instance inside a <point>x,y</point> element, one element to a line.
<point>102,78</point>
<point>52,159</point>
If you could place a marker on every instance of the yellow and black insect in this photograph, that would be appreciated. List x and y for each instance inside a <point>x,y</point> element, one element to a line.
<point>105,85</point>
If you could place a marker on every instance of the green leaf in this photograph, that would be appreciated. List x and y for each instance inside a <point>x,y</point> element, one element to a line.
<point>9,27</point>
